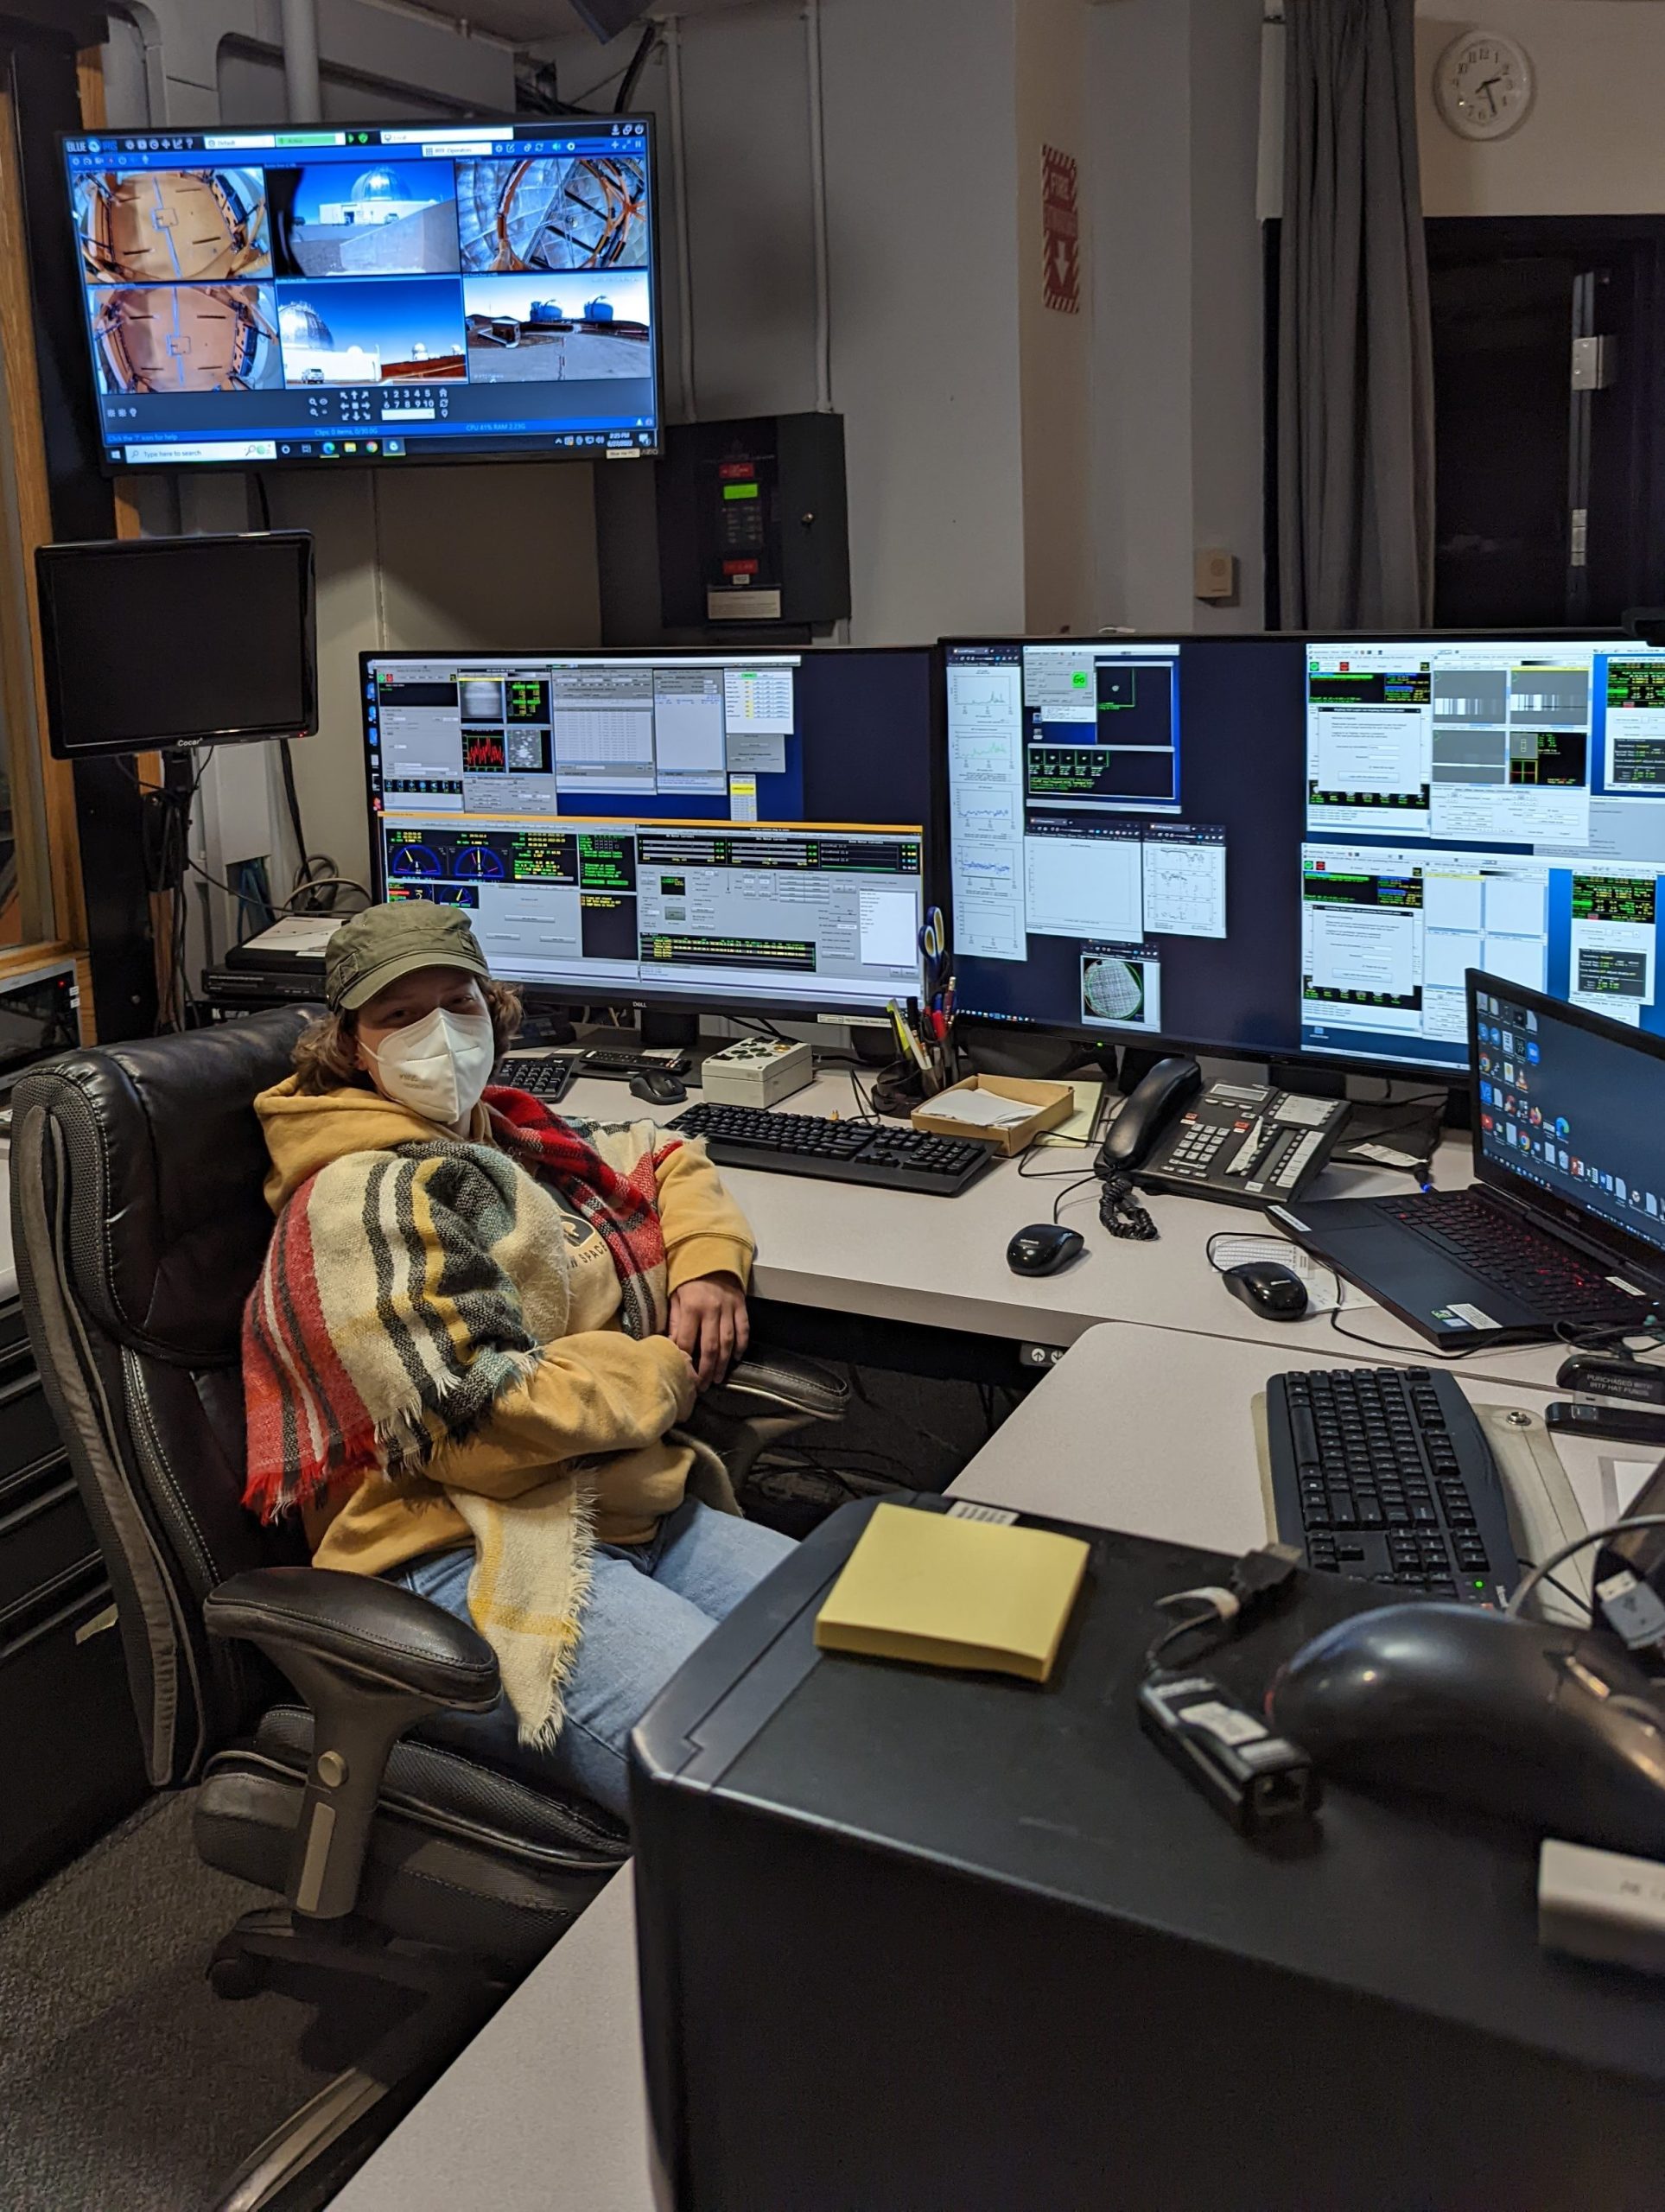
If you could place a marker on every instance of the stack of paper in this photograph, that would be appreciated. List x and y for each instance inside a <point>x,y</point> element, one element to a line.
<point>950,1593</point>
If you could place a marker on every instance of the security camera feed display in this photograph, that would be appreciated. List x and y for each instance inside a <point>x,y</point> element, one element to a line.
<point>527,330</point>
<point>382,295</point>
<point>590,213</point>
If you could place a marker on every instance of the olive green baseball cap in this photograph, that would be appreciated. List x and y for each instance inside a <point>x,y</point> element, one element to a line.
<point>384,943</point>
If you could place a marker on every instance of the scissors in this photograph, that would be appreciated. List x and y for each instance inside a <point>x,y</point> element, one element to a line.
<point>933,942</point>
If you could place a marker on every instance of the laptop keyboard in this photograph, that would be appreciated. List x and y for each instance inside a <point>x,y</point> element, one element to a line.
<point>1543,1274</point>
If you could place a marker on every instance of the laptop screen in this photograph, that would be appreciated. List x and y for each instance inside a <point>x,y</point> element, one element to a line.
<point>1569,1102</point>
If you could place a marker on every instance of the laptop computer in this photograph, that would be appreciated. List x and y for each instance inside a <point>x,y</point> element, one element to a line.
<point>1564,1225</point>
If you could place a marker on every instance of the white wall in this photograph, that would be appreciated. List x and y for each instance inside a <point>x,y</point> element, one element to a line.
<point>1054,109</point>
<point>920,153</point>
<point>1175,99</point>
<point>921,136</point>
<point>1592,143</point>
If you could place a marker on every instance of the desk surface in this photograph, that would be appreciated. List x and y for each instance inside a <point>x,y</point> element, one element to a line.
<point>1137,1428</point>
<point>899,1256</point>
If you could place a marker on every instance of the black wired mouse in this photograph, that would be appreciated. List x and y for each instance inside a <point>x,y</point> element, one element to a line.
<point>1558,1729</point>
<point>1043,1249</point>
<point>659,1087</point>
<point>1266,1287</point>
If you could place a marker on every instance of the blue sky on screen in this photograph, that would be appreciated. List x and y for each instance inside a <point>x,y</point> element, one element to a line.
<point>389,313</point>
<point>325,183</point>
<point>625,292</point>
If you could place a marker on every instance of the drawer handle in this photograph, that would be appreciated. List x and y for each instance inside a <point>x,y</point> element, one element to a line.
<point>97,1625</point>
<point>10,1392</point>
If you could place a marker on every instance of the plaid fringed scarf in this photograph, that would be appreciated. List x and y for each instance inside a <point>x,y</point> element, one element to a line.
<point>403,1293</point>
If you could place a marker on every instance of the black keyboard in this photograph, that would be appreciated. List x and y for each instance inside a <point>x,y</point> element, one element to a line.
<point>842,1152</point>
<point>1539,1270</point>
<point>1384,1474</point>
<point>549,1079</point>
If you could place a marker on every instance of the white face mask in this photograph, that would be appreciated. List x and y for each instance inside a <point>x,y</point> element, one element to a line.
<point>440,1065</point>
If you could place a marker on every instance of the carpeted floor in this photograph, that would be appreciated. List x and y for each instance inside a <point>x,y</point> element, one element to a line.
<point>125,2084</point>
<point>124,2081</point>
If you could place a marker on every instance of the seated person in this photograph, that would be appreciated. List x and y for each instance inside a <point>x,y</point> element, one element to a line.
<point>476,1331</point>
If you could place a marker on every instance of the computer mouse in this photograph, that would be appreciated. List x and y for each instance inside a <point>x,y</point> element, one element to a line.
<point>1555,1729</point>
<point>659,1087</point>
<point>1267,1287</point>
<point>1043,1249</point>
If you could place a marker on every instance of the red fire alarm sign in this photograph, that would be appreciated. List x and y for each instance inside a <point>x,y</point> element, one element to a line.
<point>1061,229</point>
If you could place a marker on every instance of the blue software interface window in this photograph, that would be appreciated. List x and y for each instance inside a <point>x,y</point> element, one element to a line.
<point>326,297</point>
<point>695,826</point>
<point>1478,803</point>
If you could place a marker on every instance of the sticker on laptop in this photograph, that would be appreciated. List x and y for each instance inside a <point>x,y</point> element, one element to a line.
<point>1628,1288</point>
<point>1473,1318</point>
<point>1282,1213</point>
<point>963,1510</point>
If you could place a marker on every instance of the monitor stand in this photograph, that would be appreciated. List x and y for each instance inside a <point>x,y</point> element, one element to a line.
<point>665,1025</point>
<point>1306,1082</point>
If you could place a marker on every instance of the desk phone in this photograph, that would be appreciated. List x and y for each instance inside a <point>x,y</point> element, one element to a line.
<point>1245,1143</point>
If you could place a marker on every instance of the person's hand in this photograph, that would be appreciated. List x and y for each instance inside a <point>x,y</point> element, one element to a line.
<point>709,1322</point>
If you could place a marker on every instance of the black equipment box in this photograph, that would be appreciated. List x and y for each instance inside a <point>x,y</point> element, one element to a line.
<point>921,1941</point>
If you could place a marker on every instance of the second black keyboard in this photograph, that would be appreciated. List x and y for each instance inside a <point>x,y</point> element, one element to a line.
<point>1384,1474</point>
<point>841,1152</point>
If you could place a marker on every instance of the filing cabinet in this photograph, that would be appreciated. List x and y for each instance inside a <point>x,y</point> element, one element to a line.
<point>70,1761</point>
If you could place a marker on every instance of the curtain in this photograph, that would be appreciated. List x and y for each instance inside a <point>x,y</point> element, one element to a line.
<point>1355,454</point>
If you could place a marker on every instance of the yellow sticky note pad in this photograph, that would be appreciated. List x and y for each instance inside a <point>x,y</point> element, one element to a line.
<point>948,1593</point>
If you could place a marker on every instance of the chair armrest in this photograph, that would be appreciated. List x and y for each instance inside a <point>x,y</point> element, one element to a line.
<point>365,1627</point>
<point>370,1660</point>
<point>768,1384</point>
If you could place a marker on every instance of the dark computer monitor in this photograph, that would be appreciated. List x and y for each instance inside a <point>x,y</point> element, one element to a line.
<point>321,297</point>
<point>674,828</point>
<point>1567,1117</point>
<point>1125,816</point>
<point>1486,803</point>
<point>159,641</point>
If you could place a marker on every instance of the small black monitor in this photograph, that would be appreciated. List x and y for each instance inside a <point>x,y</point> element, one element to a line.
<point>157,641</point>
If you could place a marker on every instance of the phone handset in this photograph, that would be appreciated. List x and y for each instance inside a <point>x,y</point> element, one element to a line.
<point>1157,1099</point>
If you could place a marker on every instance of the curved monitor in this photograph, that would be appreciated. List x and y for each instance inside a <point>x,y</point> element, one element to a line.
<point>327,297</point>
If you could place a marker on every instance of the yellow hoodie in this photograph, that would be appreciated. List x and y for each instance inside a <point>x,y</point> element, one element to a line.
<point>597,1392</point>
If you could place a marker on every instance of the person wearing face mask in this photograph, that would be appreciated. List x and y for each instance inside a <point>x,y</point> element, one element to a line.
<point>477,1332</point>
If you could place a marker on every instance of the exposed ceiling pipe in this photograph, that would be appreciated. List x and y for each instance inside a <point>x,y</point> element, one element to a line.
<point>301,81</point>
<point>818,209</point>
<point>673,73</point>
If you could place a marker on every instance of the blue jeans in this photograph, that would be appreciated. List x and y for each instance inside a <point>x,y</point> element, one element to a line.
<point>649,1606</point>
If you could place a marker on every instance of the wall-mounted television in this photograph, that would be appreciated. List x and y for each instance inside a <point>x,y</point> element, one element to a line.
<point>325,298</point>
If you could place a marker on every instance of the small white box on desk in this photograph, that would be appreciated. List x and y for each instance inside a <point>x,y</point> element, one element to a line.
<point>757,1071</point>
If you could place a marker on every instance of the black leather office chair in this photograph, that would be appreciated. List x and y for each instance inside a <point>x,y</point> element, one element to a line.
<point>401,1853</point>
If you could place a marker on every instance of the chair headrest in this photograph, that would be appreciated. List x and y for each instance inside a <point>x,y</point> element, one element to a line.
<point>163,1162</point>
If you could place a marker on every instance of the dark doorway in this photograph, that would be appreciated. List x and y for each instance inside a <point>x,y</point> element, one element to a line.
<point>1550,456</point>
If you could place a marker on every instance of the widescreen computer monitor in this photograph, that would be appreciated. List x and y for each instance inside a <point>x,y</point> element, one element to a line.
<point>1492,803</point>
<point>325,297</point>
<point>1125,817</point>
<point>1284,848</point>
<point>691,829</point>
